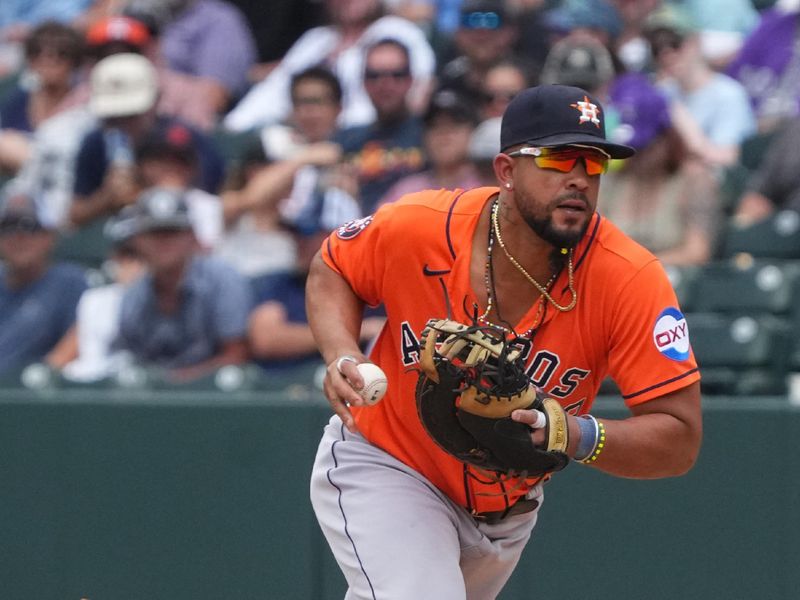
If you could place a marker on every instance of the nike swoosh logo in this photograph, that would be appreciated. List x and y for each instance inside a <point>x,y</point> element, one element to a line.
<point>432,272</point>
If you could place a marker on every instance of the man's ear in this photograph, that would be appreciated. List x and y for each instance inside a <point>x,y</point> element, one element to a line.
<point>504,170</point>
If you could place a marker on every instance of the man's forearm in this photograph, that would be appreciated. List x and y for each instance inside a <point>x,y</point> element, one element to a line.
<point>661,439</point>
<point>85,209</point>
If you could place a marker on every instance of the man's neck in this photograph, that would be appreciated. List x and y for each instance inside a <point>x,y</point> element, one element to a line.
<point>169,281</point>
<point>532,252</point>
<point>695,78</point>
<point>16,279</point>
<point>392,119</point>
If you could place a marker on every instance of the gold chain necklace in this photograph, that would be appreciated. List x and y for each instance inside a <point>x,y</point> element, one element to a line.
<point>487,277</point>
<point>542,289</point>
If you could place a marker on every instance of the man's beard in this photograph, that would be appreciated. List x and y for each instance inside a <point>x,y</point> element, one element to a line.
<point>544,228</point>
<point>560,239</point>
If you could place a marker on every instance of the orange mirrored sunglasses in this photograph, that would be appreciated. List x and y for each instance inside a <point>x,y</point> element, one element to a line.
<point>564,158</point>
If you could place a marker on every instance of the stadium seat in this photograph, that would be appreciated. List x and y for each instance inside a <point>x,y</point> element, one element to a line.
<point>754,148</point>
<point>300,381</point>
<point>741,354</point>
<point>775,237</point>
<point>746,286</point>
<point>732,186</point>
<point>683,280</point>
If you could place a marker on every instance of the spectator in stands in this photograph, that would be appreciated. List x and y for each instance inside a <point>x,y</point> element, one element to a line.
<point>768,65</point>
<point>253,241</point>
<point>581,62</point>
<point>124,96</point>
<point>87,351</point>
<point>503,80</point>
<point>710,109</point>
<point>437,18</point>
<point>377,156</point>
<point>662,199</point>
<point>183,96</point>
<point>49,173</point>
<point>316,96</point>
<point>484,145</point>
<point>449,124</point>
<point>293,169</point>
<point>723,26</point>
<point>278,331</point>
<point>117,34</point>
<point>276,29</point>
<point>166,157</point>
<point>19,17</point>
<point>210,39</point>
<point>339,46</point>
<point>486,34</point>
<point>534,37</point>
<point>188,314</point>
<point>775,185</point>
<point>53,54</point>
<point>597,20</point>
<point>37,298</point>
<point>630,47</point>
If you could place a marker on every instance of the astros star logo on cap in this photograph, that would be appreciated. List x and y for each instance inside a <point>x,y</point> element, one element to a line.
<point>589,111</point>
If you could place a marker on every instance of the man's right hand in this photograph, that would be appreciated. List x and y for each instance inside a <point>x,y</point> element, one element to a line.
<point>341,382</point>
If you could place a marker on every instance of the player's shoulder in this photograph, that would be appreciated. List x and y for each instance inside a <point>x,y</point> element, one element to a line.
<point>429,214</point>
<point>617,253</point>
<point>447,203</point>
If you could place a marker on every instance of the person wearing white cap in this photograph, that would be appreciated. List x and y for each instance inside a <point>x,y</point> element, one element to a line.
<point>123,85</point>
<point>124,91</point>
<point>124,97</point>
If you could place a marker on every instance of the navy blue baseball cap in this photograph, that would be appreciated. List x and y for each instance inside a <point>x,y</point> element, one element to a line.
<point>557,115</point>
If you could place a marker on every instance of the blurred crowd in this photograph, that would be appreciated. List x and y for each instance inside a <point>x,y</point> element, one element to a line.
<point>169,167</point>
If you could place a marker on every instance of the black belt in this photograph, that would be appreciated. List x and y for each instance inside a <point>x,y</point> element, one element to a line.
<point>520,507</point>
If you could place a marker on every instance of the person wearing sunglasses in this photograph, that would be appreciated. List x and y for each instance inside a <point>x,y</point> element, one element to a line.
<point>486,34</point>
<point>353,26</point>
<point>532,260</point>
<point>378,155</point>
<point>503,80</point>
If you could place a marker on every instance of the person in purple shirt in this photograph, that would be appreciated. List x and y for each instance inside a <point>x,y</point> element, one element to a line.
<point>205,38</point>
<point>768,65</point>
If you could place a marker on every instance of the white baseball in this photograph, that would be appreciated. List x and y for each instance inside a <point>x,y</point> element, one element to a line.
<point>374,383</point>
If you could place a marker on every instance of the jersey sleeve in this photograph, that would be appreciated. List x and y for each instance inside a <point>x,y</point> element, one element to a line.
<point>356,251</point>
<point>650,352</point>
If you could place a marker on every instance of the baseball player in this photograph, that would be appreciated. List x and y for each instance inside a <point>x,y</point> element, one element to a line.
<point>531,257</point>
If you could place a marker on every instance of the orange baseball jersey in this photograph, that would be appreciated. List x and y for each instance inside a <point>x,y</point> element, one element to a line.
<point>626,324</point>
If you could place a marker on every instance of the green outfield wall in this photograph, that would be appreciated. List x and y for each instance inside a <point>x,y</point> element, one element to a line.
<point>115,495</point>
